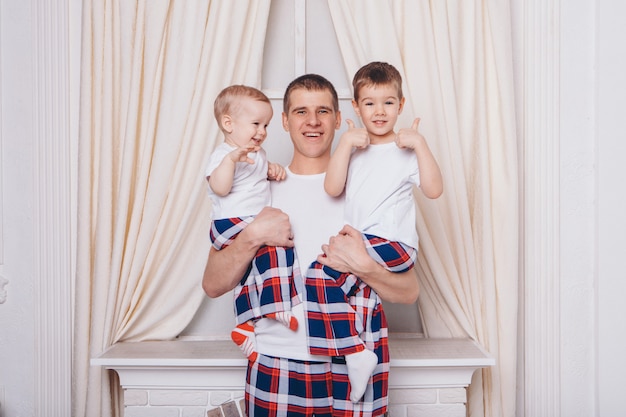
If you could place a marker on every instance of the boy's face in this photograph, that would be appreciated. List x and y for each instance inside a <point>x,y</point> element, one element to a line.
<point>379,107</point>
<point>247,124</point>
<point>311,122</point>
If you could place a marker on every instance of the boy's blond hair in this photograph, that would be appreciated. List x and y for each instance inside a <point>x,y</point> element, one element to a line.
<point>227,100</point>
<point>375,74</point>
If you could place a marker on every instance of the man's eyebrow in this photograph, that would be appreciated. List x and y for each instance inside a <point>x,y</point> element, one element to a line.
<point>316,108</point>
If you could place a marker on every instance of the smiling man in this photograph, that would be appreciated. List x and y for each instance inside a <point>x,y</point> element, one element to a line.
<point>286,379</point>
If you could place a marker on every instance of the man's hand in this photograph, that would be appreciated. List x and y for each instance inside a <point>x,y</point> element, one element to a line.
<point>270,227</point>
<point>224,268</point>
<point>346,252</point>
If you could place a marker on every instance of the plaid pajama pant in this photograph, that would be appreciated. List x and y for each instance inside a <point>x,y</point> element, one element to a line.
<point>279,387</point>
<point>340,307</point>
<point>268,286</point>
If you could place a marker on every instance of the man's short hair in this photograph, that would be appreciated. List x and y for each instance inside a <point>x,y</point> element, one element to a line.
<point>310,82</point>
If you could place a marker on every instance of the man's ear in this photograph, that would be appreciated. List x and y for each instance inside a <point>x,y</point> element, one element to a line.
<point>285,121</point>
<point>227,123</point>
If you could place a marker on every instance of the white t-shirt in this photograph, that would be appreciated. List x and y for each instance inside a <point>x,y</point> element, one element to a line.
<point>315,217</point>
<point>379,192</point>
<point>251,189</point>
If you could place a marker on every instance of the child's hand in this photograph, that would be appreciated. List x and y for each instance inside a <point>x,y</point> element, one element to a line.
<point>241,154</point>
<point>276,172</point>
<point>356,137</point>
<point>409,138</point>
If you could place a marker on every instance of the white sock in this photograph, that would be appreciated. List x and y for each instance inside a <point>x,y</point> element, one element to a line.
<point>360,365</point>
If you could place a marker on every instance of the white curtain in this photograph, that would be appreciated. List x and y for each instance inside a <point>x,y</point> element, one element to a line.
<point>456,61</point>
<point>150,72</point>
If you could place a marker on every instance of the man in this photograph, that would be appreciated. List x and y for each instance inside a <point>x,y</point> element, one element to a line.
<point>286,379</point>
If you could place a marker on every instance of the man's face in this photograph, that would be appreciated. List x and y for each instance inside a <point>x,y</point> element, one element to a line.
<point>311,122</point>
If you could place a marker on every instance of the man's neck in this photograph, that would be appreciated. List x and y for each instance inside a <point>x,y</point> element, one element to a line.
<point>308,166</point>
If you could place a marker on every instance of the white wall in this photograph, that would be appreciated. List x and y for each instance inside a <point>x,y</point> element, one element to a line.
<point>589,115</point>
<point>38,80</point>
<point>578,173</point>
<point>17,332</point>
<point>610,236</point>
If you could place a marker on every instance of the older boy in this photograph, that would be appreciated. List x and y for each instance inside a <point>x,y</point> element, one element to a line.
<point>378,169</point>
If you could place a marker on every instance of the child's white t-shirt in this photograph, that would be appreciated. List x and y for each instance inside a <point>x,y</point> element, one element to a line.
<point>379,192</point>
<point>251,189</point>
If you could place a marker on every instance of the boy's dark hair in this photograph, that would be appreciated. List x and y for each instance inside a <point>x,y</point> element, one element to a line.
<point>375,74</point>
<point>310,82</point>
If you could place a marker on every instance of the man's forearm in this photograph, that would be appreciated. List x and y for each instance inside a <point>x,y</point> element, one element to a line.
<point>394,287</point>
<point>225,268</point>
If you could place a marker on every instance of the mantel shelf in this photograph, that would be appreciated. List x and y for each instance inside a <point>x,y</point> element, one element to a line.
<point>416,362</point>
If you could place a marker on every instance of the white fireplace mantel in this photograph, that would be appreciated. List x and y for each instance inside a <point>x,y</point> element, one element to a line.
<point>416,362</point>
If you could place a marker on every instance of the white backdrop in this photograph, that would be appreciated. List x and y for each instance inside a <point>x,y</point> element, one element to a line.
<point>590,164</point>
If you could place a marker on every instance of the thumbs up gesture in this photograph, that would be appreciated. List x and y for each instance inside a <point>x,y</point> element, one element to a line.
<point>356,137</point>
<point>409,138</point>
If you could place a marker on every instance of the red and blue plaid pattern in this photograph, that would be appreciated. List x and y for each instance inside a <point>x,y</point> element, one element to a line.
<point>340,306</point>
<point>279,387</point>
<point>268,287</point>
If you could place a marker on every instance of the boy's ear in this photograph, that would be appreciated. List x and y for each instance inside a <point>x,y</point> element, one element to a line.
<point>227,123</point>
<point>355,106</point>
<point>402,100</point>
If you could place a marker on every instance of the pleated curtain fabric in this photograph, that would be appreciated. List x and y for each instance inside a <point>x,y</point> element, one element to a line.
<point>456,60</point>
<point>150,72</point>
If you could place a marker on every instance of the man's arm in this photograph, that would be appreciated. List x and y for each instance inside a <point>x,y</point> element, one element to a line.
<point>225,268</point>
<point>346,253</point>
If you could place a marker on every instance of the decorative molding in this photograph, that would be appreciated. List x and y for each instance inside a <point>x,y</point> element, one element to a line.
<point>541,164</point>
<point>300,37</point>
<point>52,207</point>
<point>3,290</point>
<point>1,157</point>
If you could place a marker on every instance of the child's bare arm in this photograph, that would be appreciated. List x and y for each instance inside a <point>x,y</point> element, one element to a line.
<point>221,179</point>
<point>337,171</point>
<point>431,181</point>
